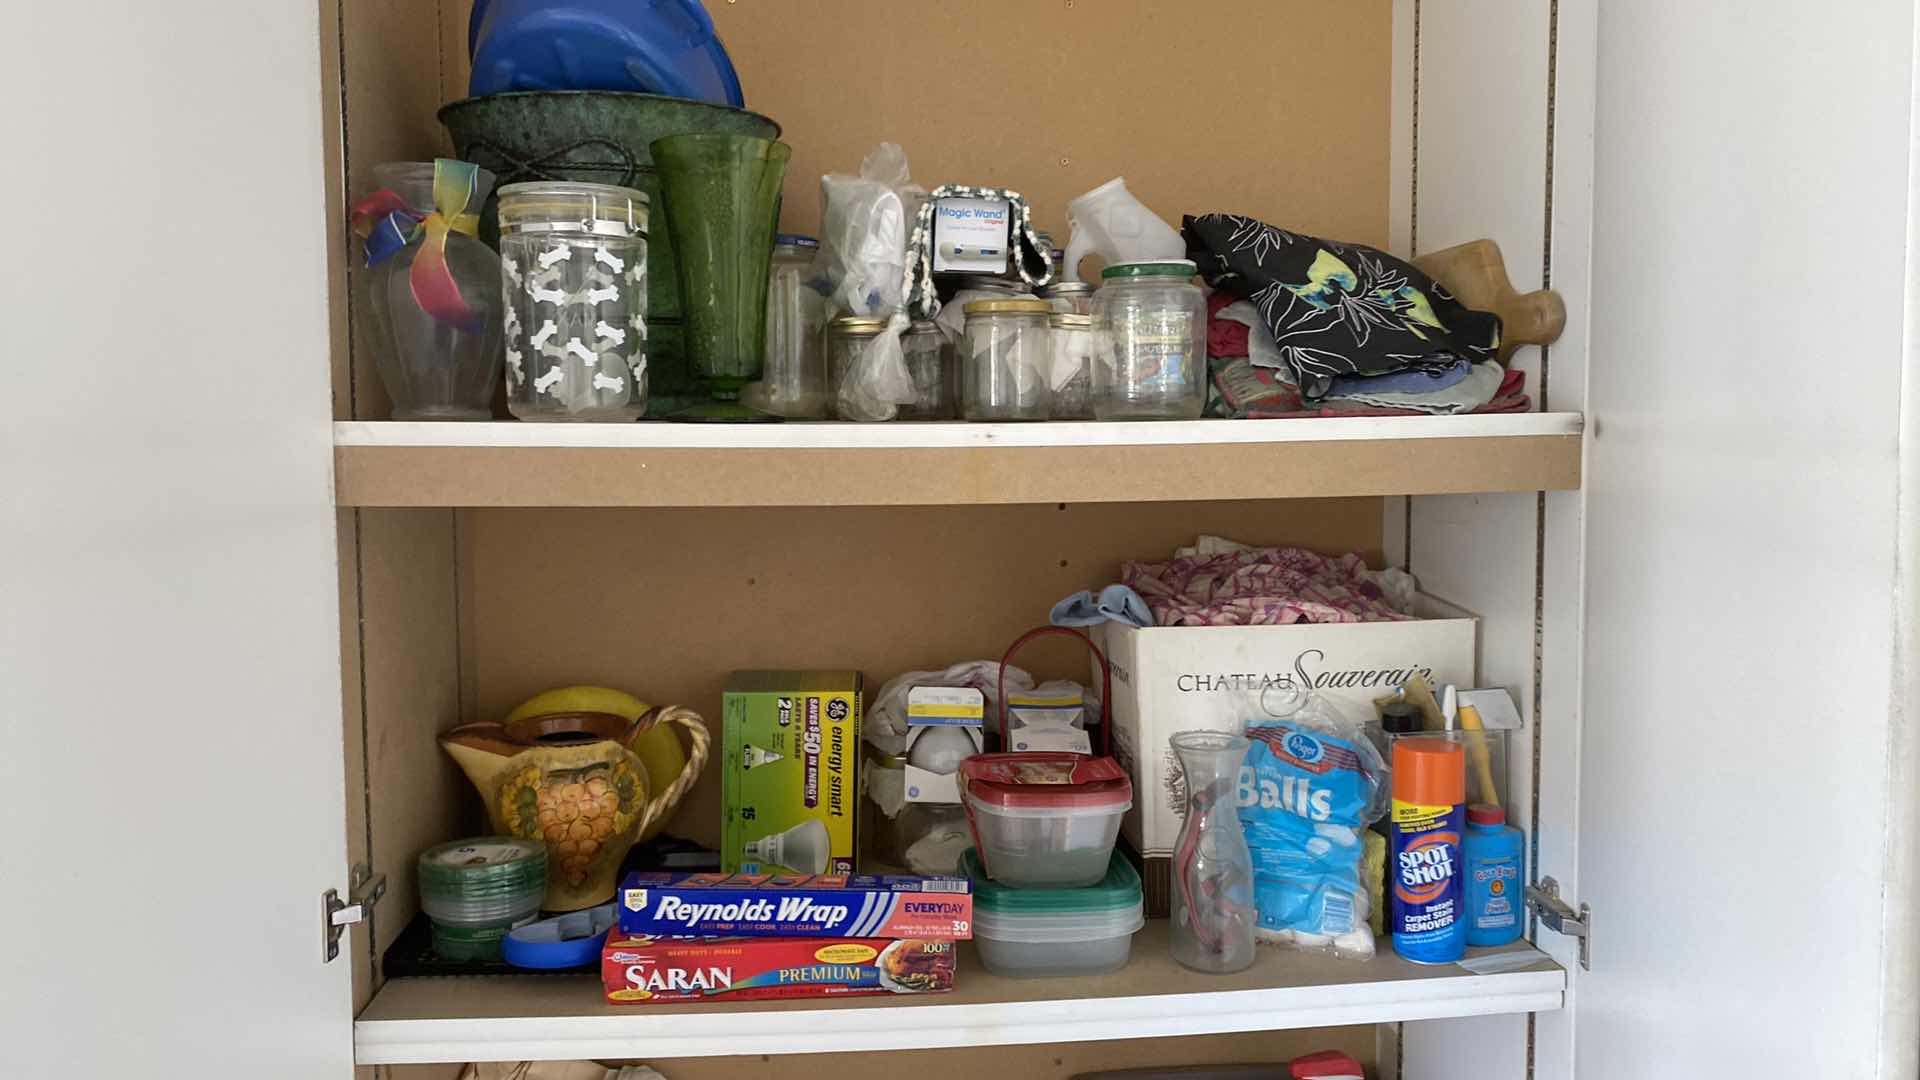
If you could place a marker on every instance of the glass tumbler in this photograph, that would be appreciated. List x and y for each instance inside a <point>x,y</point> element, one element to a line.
<point>793,383</point>
<point>574,269</point>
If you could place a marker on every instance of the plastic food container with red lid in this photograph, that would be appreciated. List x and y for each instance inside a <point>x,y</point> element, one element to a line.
<point>1045,820</point>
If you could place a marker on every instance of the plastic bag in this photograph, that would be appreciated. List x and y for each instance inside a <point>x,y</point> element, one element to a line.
<point>863,233</point>
<point>863,256</point>
<point>1311,784</point>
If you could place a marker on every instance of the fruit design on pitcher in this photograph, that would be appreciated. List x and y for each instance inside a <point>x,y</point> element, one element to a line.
<point>575,811</point>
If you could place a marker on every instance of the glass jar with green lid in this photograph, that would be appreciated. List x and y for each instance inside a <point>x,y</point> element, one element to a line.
<point>1149,342</point>
<point>1004,361</point>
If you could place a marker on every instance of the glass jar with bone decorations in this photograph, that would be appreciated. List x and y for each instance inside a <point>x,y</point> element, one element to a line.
<point>573,261</point>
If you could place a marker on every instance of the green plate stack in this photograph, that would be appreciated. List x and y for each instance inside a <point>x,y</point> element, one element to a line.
<point>477,890</point>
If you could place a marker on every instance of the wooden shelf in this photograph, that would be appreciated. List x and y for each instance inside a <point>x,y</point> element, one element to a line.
<point>399,463</point>
<point>552,1017</point>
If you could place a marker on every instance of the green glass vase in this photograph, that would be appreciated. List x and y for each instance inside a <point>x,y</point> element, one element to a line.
<point>722,202</point>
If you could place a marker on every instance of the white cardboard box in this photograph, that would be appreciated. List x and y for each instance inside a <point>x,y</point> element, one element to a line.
<point>1180,678</point>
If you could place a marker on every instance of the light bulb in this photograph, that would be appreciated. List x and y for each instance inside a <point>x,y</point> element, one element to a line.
<point>752,757</point>
<point>803,849</point>
<point>941,750</point>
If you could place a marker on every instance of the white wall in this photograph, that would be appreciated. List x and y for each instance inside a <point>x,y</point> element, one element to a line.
<point>169,649</point>
<point>1749,277</point>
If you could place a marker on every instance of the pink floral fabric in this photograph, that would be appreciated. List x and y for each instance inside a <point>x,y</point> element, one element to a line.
<point>1260,587</point>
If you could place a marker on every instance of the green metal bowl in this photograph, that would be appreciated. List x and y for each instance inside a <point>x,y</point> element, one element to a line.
<point>601,137</point>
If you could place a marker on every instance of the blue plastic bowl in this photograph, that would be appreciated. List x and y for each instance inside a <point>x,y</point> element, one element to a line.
<point>650,46</point>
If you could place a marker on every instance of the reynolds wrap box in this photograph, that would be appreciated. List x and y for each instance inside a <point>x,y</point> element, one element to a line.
<point>758,905</point>
<point>789,780</point>
<point>636,969</point>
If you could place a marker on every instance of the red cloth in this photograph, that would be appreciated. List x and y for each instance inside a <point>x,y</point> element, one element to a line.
<point>1224,336</point>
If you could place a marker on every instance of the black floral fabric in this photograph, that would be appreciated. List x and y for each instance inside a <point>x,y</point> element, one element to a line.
<point>1337,309</point>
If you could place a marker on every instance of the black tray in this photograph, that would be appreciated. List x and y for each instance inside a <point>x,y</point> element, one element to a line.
<point>411,954</point>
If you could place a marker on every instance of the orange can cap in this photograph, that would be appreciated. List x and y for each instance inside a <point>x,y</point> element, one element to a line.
<point>1429,772</point>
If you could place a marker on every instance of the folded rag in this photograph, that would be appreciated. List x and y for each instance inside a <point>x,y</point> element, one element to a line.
<point>1413,381</point>
<point>1115,602</point>
<point>1480,386</point>
<point>1261,586</point>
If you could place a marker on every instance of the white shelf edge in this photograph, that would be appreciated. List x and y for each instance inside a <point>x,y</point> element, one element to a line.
<point>930,1026</point>
<point>666,436</point>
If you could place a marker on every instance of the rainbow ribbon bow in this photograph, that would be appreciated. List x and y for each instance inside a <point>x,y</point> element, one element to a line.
<point>388,225</point>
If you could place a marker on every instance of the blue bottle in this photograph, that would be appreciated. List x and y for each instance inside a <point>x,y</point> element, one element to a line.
<point>1496,873</point>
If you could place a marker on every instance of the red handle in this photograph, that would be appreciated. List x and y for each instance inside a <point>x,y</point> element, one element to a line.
<point>1106,680</point>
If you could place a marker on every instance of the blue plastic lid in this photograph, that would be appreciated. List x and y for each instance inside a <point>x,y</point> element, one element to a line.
<point>565,941</point>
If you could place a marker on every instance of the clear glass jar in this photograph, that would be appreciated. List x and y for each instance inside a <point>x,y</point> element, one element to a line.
<point>847,336</point>
<point>1069,297</point>
<point>1072,345</point>
<point>930,362</point>
<point>794,381</point>
<point>574,264</point>
<point>1149,342</point>
<point>1005,360</point>
<point>435,370</point>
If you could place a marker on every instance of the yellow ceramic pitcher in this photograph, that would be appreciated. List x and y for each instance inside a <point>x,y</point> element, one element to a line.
<point>573,780</point>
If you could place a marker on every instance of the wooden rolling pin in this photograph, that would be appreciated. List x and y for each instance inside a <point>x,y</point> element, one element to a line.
<point>1477,276</point>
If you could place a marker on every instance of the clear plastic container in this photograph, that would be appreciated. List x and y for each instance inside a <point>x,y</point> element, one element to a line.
<point>1046,933</point>
<point>574,259</point>
<point>1072,350</point>
<point>930,362</point>
<point>1149,343</point>
<point>1045,820</point>
<point>847,336</point>
<point>794,382</point>
<point>1004,361</point>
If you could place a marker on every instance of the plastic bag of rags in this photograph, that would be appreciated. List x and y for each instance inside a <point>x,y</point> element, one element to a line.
<point>1310,785</point>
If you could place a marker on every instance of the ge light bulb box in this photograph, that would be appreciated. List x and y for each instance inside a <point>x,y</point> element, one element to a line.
<point>790,777</point>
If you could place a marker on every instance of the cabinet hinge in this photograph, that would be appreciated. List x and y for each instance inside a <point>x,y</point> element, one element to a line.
<point>337,914</point>
<point>1558,916</point>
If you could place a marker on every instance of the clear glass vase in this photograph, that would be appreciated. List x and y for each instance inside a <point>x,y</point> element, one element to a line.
<point>1212,910</point>
<point>433,370</point>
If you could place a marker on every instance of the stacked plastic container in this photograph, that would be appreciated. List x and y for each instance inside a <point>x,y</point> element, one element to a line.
<point>1051,896</point>
<point>476,891</point>
<point>1054,932</point>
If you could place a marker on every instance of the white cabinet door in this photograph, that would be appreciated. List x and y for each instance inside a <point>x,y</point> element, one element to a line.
<point>169,647</point>
<point>1742,842</point>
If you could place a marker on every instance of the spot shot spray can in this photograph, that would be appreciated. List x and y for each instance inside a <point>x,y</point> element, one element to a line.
<point>1429,921</point>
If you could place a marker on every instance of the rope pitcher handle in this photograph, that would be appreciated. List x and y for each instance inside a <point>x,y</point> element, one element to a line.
<point>697,743</point>
<point>1106,680</point>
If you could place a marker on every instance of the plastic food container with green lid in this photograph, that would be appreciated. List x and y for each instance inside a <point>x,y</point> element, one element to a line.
<point>477,890</point>
<point>1046,933</point>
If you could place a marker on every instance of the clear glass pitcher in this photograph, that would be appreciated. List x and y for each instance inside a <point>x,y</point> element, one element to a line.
<point>1213,911</point>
